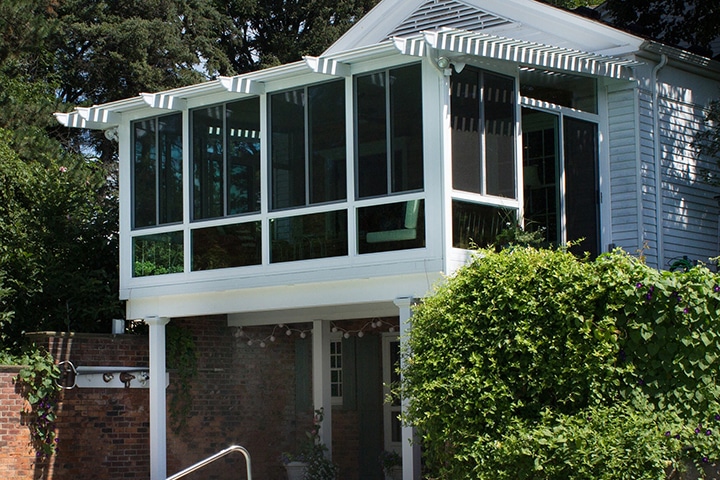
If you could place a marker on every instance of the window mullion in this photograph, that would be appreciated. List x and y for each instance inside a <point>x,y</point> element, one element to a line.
<point>483,133</point>
<point>157,171</point>
<point>225,174</point>
<point>388,133</point>
<point>306,121</point>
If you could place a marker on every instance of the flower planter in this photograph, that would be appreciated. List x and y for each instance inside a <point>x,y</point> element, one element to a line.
<point>395,473</point>
<point>295,470</point>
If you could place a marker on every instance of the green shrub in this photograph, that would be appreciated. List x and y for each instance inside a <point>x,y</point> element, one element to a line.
<point>535,364</point>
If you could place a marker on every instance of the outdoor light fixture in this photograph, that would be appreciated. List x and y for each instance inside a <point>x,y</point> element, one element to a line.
<point>443,62</point>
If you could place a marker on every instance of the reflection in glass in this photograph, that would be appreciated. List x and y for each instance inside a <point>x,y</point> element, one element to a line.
<point>226,246</point>
<point>157,254</point>
<point>226,159</point>
<point>388,123</point>
<point>483,132</point>
<point>476,225</point>
<point>304,237</point>
<point>394,226</point>
<point>499,108</point>
<point>287,130</point>
<point>326,135</point>
<point>157,171</point>
<point>558,88</point>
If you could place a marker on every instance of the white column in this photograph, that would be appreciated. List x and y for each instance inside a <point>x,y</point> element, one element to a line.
<point>158,419</point>
<point>321,379</point>
<point>410,443</point>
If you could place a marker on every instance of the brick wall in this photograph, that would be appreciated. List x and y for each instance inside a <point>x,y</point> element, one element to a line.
<point>17,462</point>
<point>243,394</point>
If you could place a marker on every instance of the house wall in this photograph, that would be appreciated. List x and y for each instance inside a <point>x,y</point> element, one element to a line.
<point>684,220</point>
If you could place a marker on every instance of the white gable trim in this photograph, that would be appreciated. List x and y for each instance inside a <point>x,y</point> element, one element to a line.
<point>459,42</point>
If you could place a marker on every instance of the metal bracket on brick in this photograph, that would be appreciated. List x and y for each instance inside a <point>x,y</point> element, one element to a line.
<point>104,376</point>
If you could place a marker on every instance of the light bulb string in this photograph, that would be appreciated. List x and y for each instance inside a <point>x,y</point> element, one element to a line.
<point>376,324</point>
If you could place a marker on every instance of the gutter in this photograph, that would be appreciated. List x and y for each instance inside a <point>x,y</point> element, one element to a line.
<point>658,160</point>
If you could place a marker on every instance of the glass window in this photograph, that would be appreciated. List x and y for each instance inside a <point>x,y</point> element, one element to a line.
<point>476,225</point>
<point>157,171</point>
<point>157,254</point>
<point>308,145</point>
<point>559,88</point>
<point>304,237</point>
<point>483,132</point>
<point>336,371</point>
<point>226,159</point>
<point>389,128</point>
<point>226,246</point>
<point>394,226</point>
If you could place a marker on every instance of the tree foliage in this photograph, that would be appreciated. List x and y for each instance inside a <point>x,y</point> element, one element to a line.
<point>58,187</point>
<point>533,364</point>
<point>691,24</point>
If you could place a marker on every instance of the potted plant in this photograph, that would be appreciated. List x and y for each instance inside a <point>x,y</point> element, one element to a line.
<point>311,463</point>
<point>391,463</point>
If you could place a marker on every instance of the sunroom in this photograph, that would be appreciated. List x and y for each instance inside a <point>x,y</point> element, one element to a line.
<point>344,186</point>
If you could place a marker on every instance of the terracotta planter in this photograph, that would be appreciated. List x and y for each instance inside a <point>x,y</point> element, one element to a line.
<point>295,470</point>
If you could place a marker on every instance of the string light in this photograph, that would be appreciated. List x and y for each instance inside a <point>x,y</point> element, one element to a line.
<point>375,324</point>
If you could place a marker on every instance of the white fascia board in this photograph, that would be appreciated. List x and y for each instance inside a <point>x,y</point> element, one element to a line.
<point>293,300</point>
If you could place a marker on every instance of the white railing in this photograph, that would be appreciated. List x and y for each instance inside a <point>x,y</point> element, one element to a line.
<point>209,460</point>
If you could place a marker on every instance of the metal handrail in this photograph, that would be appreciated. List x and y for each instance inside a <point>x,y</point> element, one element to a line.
<point>220,454</point>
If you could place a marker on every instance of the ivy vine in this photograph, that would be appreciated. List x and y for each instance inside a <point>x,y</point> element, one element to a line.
<point>181,354</point>
<point>38,381</point>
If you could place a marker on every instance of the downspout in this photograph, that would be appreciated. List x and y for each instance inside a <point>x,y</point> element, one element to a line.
<point>658,160</point>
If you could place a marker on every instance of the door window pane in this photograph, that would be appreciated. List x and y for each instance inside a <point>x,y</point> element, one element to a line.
<point>541,152</point>
<point>581,185</point>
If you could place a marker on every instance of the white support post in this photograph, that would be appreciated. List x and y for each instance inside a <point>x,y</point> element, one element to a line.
<point>410,444</point>
<point>321,379</point>
<point>158,418</point>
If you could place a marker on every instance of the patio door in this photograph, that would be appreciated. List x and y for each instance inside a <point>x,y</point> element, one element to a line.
<point>560,177</point>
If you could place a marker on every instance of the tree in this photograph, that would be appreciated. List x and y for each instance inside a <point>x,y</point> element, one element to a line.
<point>690,24</point>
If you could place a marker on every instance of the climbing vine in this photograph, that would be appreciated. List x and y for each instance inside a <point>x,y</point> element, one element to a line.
<point>38,382</point>
<point>181,354</point>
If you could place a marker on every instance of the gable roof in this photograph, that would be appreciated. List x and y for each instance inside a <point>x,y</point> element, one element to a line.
<point>524,20</point>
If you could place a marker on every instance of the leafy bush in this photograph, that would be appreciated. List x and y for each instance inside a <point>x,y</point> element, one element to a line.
<point>535,364</point>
